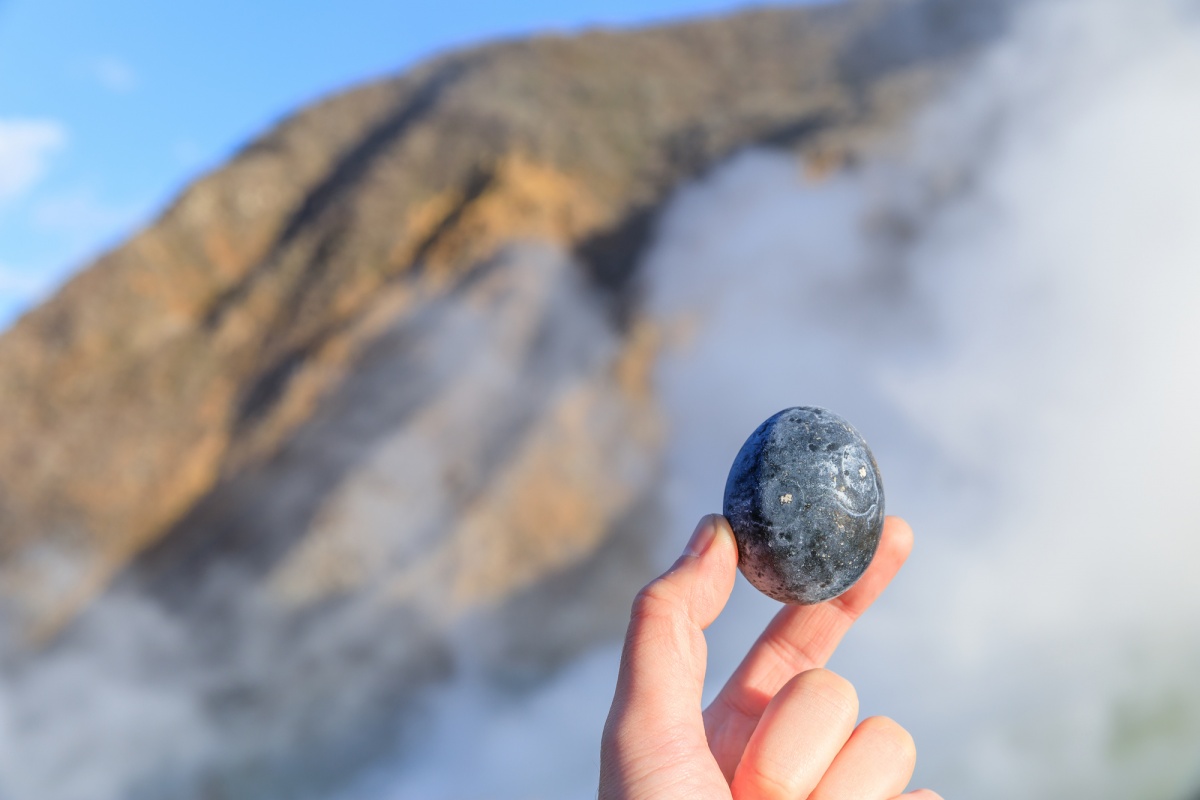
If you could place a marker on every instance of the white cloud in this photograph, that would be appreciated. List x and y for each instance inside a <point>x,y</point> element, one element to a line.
<point>114,74</point>
<point>26,146</point>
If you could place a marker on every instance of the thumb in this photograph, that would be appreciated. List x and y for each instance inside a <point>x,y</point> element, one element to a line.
<point>662,667</point>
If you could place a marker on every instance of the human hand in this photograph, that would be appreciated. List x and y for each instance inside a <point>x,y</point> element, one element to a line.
<point>782,727</point>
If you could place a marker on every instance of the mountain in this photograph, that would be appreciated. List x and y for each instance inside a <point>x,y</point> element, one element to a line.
<point>385,374</point>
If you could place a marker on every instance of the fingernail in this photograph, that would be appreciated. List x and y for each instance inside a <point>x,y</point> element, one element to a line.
<point>702,537</point>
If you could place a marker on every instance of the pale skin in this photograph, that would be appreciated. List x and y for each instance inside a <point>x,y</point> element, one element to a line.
<point>782,727</point>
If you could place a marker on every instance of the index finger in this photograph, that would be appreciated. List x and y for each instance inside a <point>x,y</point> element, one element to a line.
<point>799,638</point>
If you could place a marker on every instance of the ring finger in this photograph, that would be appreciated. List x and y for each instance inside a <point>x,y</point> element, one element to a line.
<point>876,763</point>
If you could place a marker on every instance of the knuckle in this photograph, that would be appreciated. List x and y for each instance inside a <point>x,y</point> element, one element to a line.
<point>656,599</point>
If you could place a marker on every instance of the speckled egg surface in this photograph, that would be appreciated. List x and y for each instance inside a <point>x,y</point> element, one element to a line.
<point>805,501</point>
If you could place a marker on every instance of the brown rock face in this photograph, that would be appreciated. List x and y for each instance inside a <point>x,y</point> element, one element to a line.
<point>392,351</point>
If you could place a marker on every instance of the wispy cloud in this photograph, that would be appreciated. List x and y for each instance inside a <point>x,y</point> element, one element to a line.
<point>114,74</point>
<point>26,146</point>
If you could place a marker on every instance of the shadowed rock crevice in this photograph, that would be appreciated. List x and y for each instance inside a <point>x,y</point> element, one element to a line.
<point>255,518</point>
<point>352,169</point>
<point>610,259</point>
<point>610,256</point>
<point>355,166</point>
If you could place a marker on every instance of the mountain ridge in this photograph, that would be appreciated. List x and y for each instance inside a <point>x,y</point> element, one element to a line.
<point>198,347</point>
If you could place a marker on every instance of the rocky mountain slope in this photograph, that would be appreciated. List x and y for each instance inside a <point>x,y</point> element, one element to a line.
<point>386,368</point>
<point>196,352</point>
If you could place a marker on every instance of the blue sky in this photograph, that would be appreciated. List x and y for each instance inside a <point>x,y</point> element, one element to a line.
<point>108,109</point>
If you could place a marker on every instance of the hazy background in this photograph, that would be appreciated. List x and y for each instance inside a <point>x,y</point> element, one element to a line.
<point>1003,300</point>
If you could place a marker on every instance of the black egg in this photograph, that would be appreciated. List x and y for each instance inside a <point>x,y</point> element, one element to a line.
<point>805,501</point>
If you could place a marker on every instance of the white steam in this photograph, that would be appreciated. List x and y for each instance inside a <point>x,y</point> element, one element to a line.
<point>1007,312</point>
<point>1007,309</point>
